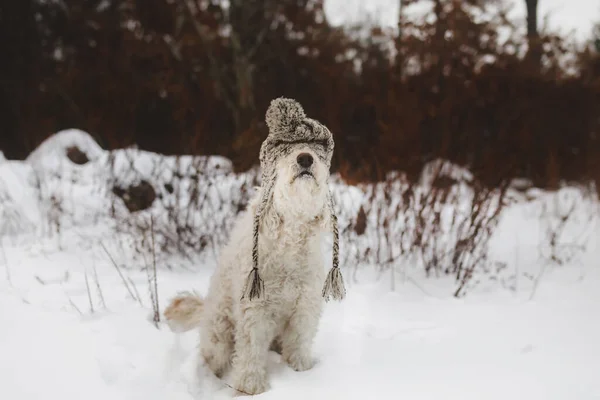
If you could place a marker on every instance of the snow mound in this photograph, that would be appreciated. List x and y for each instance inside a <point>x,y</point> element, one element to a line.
<point>2,158</point>
<point>79,188</point>
<point>439,168</point>
<point>53,151</point>
<point>132,165</point>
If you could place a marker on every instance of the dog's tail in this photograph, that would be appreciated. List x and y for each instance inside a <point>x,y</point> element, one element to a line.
<point>184,312</point>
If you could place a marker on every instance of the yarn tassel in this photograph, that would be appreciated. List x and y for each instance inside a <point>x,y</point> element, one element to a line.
<point>334,283</point>
<point>255,287</point>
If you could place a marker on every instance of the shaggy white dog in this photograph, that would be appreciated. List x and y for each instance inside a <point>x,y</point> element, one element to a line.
<point>237,330</point>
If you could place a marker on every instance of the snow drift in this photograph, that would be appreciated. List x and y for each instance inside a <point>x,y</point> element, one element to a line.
<point>76,299</point>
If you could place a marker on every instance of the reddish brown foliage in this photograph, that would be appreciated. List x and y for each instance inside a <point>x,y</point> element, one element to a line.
<point>160,75</point>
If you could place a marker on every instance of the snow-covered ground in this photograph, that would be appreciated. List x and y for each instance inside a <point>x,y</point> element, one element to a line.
<point>75,326</point>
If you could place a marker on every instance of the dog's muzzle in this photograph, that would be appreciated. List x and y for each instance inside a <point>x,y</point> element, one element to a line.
<point>304,162</point>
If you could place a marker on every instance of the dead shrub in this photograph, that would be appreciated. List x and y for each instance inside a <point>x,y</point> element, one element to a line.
<point>136,197</point>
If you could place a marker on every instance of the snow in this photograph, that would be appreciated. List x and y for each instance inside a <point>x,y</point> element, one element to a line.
<point>18,208</point>
<point>47,355</point>
<point>443,168</point>
<point>529,332</point>
<point>52,150</point>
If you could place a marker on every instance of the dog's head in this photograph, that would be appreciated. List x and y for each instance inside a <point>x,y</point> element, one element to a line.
<point>297,156</point>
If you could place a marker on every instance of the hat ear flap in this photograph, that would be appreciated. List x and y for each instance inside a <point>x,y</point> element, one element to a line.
<point>254,287</point>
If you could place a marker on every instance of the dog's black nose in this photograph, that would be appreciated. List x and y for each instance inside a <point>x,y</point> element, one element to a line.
<point>305,160</point>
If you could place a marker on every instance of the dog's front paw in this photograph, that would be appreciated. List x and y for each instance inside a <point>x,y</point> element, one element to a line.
<point>251,383</point>
<point>300,362</point>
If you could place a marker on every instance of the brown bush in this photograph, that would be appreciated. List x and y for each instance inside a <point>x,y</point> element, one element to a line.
<point>136,197</point>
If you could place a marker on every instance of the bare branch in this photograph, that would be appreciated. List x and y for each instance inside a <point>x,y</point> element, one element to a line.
<point>119,271</point>
<point>87,287</point>
<point>98,288</point>
<point>155,305</point>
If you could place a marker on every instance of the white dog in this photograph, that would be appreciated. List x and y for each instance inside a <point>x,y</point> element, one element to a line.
<point>267,292</point>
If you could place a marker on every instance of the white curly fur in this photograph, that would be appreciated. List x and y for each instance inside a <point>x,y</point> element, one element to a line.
<point>238,333</point>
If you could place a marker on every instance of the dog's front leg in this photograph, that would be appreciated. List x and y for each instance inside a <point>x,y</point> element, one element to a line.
<point>254,333</point>
<point>300,332</point>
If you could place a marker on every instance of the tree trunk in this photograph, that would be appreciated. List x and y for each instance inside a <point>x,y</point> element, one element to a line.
<point>535,47</point>
<point>532,22</point>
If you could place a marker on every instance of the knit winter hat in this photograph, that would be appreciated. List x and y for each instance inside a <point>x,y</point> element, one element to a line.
<point>289,126</point>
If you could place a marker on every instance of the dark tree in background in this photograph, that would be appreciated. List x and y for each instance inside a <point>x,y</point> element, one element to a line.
<point>20,69</point>
<point>533,36</point>
<point>532,20</point>
<point>196,76</point>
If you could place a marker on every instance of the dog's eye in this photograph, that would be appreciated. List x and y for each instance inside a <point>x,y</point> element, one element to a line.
<point>323,143</point>
<point>279,143</point>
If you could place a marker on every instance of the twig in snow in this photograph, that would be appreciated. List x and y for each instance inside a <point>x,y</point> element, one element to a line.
<point>537,281</point>
<point>137,294</point>
<point>73,304</point>
<point>237,390</point>
<point>89,293</point>
<point>6,266</point>
<point>154,296</point>
<point>414,282</point>
<point>120,274</point>
<point>98,288</point>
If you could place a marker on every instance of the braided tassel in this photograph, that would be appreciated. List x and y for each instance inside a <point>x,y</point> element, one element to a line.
<point>334,283</point>
<point>255,286</point>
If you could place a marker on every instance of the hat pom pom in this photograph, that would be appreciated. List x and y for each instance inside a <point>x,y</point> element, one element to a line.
<point>284,114</point>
